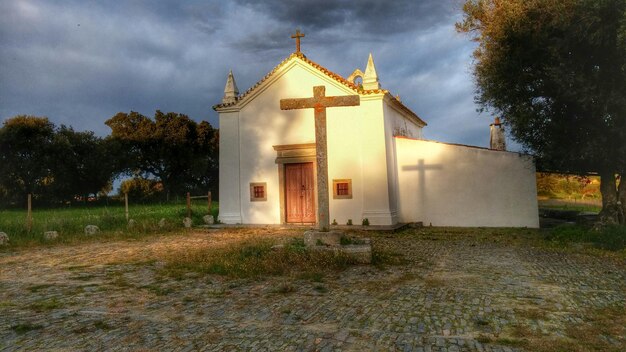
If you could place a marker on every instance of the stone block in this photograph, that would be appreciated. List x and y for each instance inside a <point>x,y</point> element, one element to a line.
<point>208,219</point>
<point>187,222</point>
<point>91,230</point>
<point>362,253</point>
<point>314,238</point>
<point>50,235</point>
<point>4,239</point>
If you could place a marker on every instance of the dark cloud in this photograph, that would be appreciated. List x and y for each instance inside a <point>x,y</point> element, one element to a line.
<point>79,62</point>
<point>375,17</point>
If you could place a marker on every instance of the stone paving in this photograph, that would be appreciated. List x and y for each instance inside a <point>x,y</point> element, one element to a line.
<point>452,294</point>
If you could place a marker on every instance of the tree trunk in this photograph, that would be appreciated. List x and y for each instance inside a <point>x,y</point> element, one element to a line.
<point>621,199</point>
<point>609,213</point>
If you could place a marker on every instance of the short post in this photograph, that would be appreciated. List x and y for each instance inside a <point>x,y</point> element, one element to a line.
<point>209,197</point>
<point>188,205</point>
<point>126,205</point>
<point>29,213</point>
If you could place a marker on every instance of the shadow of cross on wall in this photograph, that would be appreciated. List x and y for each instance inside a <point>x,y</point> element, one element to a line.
<point>421,168</point>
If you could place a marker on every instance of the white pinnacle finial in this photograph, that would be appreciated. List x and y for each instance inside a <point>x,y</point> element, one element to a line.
<point>370,78</point>
<point>230,91</point>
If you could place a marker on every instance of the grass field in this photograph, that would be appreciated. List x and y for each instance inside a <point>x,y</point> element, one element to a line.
<point>111,219</point>
<point>591,205</point>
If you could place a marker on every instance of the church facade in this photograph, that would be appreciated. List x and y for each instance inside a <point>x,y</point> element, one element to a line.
<point>379,166</point>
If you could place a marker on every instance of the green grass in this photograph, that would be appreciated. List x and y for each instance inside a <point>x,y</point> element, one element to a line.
<point>567,204</point>
<point>611,238</point>
<point>24,328</point>
<point>256,258</point>
<point>70,222</point>
<point>46,305</point>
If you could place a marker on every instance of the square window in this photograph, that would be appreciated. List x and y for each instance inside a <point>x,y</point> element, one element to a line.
<point>258,191</point>
<point>342,189</point>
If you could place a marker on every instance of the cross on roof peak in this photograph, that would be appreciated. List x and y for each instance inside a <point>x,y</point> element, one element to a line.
<point>297,37</point>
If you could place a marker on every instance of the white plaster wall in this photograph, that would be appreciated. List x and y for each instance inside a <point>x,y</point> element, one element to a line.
<point>230,206</point>
<point>397,122</point>
<point>394,121</point>
<point>464,186</point>
<point>376,197</point>
<point>262,125</point>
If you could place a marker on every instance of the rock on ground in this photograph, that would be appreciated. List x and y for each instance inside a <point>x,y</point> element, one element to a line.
<point>91,230</point>
<point>4,239</point>
<point>162,223</point>
<point>208,219</point>
<point>132,223</point>
<point>187,222</point>
<point>50,235</point>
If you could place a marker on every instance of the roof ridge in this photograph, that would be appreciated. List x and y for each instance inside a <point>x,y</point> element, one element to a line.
<point>337,77</point>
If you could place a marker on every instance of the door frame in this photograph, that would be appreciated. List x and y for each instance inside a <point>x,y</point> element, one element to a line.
<point>294,154</point>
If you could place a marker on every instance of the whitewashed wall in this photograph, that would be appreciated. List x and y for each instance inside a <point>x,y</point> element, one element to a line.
<point>249,134</point>
<point>452,185</point>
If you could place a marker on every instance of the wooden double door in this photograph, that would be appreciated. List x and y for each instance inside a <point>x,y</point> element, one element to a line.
<point>299,193</point>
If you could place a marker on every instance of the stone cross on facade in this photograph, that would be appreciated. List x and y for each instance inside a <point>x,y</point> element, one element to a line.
<point>297,37</point>
<point>319,102</point>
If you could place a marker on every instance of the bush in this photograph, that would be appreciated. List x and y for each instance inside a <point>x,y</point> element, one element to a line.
<point>256,258</point>
<point>611,238</point>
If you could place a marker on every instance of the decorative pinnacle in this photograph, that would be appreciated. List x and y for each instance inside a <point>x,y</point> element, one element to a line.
<point>370,78</point>
<point>230,90</point>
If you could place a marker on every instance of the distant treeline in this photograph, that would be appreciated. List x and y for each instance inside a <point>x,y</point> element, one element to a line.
<point>563,186</point>
<point>163,156</point>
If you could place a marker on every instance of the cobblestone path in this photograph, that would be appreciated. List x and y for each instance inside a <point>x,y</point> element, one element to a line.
<point>456,293</point>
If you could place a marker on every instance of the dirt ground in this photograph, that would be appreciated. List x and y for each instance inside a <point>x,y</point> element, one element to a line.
<point>456,290</point>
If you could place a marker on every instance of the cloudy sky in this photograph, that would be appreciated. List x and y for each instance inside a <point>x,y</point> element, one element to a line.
<point>79,62</point>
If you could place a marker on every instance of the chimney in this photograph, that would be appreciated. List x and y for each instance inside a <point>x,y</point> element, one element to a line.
<point>497,140</point>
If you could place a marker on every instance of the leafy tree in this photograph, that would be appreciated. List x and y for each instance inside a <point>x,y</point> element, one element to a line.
<point>556,71</point>
<point>51,163</point>
<point>204,168</point>
<point>141,188</point>
<point>85,164</point>
<point>26,156</point>
<point>179,152</point>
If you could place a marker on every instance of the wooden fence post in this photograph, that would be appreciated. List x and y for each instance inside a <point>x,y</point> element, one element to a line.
<point>126,205</point>
<point>209,202</point>
<point>188,205</point>
<point>29,213</point>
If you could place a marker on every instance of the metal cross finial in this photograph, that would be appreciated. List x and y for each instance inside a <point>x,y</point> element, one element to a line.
<point>297,37</point>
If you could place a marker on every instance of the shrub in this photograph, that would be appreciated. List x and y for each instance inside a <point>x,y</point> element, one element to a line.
<point>610,238</point>
<point>256,258</point>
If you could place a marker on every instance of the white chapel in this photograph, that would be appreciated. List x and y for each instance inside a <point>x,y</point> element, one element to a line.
<point>380,167</point>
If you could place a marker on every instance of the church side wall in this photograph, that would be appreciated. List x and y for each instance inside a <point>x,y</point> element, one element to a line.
<point>451,185</point>
<point>230,206</point>
<point>395,124</point>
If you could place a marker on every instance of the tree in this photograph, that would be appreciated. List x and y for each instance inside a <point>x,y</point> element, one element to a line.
<point>52,163</point>
<point>139,188</point>
<point>556,71</point>
<point>173,148</point>
<point>84,163</point>
<point>26,143</point>
<point>204,168</point>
